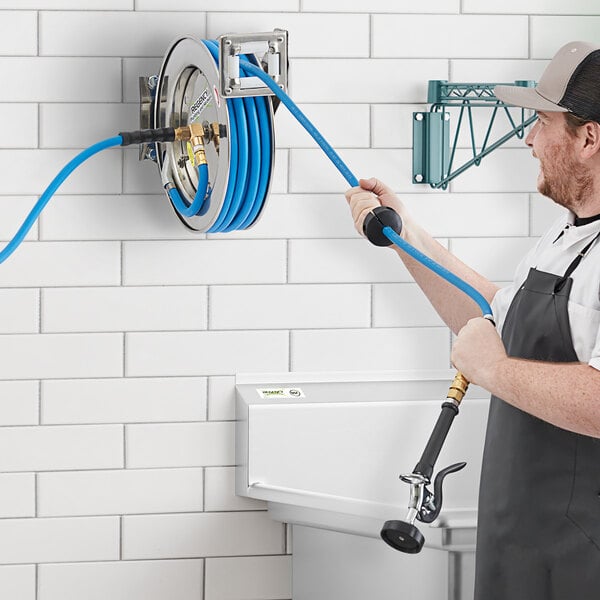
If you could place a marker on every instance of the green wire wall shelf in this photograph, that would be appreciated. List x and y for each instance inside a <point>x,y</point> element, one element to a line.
<point>433,154</point>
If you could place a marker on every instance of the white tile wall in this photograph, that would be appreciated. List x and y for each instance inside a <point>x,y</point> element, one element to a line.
<point>124,400</point>
<point>266,577</point>
<point>202,534</point>
<point>121,331</point>
<point>18,581</point>
<point>452,36</point>
<point>123,580</point>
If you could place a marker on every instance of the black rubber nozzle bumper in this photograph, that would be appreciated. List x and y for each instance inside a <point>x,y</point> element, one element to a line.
<point>376,220</point>
<point>402,536</point>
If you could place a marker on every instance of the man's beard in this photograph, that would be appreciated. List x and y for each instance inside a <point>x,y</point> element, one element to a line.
<point>566,182</point>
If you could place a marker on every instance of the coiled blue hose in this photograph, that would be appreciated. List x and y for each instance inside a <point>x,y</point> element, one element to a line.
<point>250,140</point>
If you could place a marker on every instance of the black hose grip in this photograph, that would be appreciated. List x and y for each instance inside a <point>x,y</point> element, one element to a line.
<point>147,136</point>
<point>376,220</point>
<point>436,440</point>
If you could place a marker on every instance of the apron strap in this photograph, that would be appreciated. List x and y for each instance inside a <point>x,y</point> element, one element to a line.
<point>561,282</point>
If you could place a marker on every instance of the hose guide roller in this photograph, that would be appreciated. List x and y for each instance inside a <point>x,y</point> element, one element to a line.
<point>204,85</point>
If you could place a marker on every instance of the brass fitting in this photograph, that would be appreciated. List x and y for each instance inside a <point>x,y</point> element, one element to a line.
<point>183,134</point>
<point>216,134</point>
<point>458,388</point>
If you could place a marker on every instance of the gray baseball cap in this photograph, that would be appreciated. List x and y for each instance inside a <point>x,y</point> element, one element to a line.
<point>570,83</point>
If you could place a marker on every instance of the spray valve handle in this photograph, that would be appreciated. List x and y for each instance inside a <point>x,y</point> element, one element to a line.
<point>432,502</point>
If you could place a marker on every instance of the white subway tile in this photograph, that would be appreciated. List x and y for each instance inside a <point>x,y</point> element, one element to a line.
<point>402,305</point>
<point>268,578</point>
<point>301,216</point>
<point>18,33</point>
<point>220,492</point>
<point>58,540</point>
<point>124,309</point>
<point>19,311</point>
<point>89,123</point>
<point>312,172</point>
<point>224,5</point>
<point>133,69</point>
<point>204,262</point>
<point>505,170</point>
<point>112,217</point>
<point>13,211</point>
<point>433,36</point>
<point>206,353</point>
<point>280,175</point>
<point>39,264</point>
<point>221,398</point>
<point>209,534</point>
<point>68,4</point>
<point>123,400</point>
<point>123,580</point>
<point>18,581</point>
<point>51,356</point>
<point>113,34</point>
<point>19,126</point>
<point>342,125</point>
<point>124,491</point>
<point>101,175</point>
<point>180,445</point>
<point>338,35</point>
<point>392,124</point>
<point>44,79</point>
<point>548,34</point>
<point>543,213</point>
<point>496,71</point>
<point>495,258</point>
<point>56,448</point>
<point>470,215</point>
<point>382,6</point>
<point>19,403</point>
<point>370,349</point>
<point>532,7</point>
<point>17,495</point>
<point>289,306</point>
<point>376,80</point>
<point>343,261</point>
<point>140,177</point>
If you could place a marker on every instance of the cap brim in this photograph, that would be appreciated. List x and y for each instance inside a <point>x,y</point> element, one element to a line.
<point>525,98</point>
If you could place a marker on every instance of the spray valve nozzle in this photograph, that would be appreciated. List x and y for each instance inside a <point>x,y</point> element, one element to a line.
<point>377,220</point>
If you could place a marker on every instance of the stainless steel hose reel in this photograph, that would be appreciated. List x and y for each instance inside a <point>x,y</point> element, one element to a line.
<point>202,84</point>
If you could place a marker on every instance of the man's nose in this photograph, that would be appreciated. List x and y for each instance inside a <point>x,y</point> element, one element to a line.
<point>531,135</point>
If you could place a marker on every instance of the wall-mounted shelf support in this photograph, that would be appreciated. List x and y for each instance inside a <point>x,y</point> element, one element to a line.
<point>433,154</point>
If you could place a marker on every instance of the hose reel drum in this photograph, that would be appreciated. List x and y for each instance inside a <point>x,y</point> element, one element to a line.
<point>201,84</point>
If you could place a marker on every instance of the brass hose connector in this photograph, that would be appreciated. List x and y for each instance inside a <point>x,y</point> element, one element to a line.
<point>458,388</point>
<point>183,134</point>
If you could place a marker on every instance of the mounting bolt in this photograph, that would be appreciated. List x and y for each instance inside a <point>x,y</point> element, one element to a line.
<point>419,178</point>
<point>419,116</point>
<point>152,82</point>
<point>228,91</point>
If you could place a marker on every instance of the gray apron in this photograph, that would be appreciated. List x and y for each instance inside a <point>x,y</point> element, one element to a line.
<point>538,535</point>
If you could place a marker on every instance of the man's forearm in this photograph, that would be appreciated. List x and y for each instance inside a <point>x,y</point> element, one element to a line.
<point>566,395</point>
<point>452,304</point>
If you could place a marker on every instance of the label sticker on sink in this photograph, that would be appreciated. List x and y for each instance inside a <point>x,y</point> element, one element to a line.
<point>275,392</point>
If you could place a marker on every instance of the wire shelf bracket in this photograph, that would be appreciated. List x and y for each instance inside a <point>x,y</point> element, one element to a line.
<point>433,152</point>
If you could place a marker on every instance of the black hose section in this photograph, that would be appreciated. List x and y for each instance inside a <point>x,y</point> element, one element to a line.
<point>147,136</point>
<point>436,440</point>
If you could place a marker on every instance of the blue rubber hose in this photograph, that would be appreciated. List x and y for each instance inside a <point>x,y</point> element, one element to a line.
<point>353,181</point>
<point>189,210</point>
<point>51,189</point>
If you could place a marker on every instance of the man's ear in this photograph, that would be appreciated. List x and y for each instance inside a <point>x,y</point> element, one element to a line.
<point>590,132</point>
